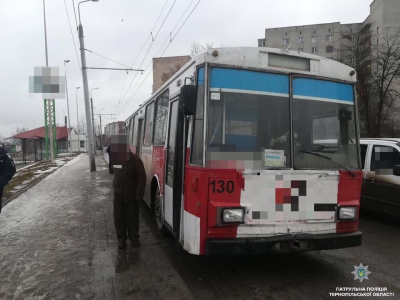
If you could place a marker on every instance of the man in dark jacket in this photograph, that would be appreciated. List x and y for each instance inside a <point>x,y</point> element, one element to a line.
<point>7,170</point>
<point>129,186</point>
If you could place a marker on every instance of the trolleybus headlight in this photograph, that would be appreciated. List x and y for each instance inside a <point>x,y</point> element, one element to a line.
<point>233,215</point>
<point>347,213</point>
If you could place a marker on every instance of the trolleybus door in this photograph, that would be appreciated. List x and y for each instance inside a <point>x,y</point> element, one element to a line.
<point>173,168</point>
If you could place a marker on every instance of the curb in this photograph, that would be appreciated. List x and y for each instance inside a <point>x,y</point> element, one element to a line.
<point>23,190</point>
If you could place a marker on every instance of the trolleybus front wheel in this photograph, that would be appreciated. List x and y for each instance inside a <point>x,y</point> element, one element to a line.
<point>158,211</point>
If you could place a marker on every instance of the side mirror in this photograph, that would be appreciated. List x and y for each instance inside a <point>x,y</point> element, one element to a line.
<point>396,170</point>
<point>188,98</point>
<point>344,115</point>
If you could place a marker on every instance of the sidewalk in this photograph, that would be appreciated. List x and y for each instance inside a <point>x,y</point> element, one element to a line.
<point>57,241</point>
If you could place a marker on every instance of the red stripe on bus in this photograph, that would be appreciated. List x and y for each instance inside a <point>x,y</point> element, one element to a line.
<point>349,195</point>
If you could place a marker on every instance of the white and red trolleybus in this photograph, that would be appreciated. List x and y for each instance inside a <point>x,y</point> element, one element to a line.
<point>250,150</point>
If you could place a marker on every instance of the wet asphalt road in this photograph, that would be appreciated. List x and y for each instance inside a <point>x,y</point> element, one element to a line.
<point>57,241</point>
<point>311,275</point>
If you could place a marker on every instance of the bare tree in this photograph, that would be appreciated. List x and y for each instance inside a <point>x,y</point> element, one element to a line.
<point>196,48</point>
<point>19,130</point>
<point>172,70</point>
<point>376,60</point>
<point>15,131</point>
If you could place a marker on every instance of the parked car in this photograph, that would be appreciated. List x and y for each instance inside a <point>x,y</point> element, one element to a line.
<point>381,175</point>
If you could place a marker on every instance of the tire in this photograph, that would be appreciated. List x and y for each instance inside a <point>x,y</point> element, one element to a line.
<point>158,212</point>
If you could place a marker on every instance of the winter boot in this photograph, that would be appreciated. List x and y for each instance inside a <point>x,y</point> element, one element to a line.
<point>121,244</point>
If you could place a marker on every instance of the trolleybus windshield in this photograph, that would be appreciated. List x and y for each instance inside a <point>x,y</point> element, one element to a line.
<point>249,120</point>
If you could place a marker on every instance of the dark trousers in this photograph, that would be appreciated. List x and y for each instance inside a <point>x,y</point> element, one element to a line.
<point>126,217</point>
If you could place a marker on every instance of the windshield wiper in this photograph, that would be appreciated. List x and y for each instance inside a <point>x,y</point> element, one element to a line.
<point>330,159</point>
<point>215,132</point>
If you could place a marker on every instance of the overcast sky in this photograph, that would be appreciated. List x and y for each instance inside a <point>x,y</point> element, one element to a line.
<point>118,29</point>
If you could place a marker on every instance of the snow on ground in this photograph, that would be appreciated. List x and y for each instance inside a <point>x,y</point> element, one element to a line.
<point>49,170</point>
<point>64,154</point>
<point>34,173</point>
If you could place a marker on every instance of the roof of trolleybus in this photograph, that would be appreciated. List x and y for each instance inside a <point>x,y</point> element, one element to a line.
<point>261,59</point>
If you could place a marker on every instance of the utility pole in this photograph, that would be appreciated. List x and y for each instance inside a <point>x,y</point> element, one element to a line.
<point>101,136</point>
<point>77,119</point>
<point>92,163</point>
<point>101,128</point>
<point>94,132</point>
<point>69,121</point>
<point>91,100</point>
<point>89,124</point>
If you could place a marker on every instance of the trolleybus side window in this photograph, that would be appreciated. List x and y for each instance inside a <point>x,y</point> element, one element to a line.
<point>132,130</point>
<point>160,129</point>
<point>148,129</point>
<point>135,132</point>
<point>197,148</point>
<point>171,143</point>
<point>128,130</point>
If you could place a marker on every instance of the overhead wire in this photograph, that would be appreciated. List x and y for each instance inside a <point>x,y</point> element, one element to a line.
<point>72,34</point>
<point>159,16</point>
<point>126,77</point>
<point>155,55</point>
<point>107,58</point>
<point>76,20</point>
<point>148,50</point>
<point>148,37</point>
<point>164,19</point>
<point>171,39</point>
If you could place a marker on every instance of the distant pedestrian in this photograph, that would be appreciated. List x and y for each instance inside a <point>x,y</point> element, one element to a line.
<point>129,186</point>
<point>110,168</point>
<point>7,170</point>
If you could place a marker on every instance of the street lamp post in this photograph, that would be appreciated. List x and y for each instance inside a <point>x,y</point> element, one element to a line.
<point>101,132</point>
<point>77,120</point>
<point>69,121</point>
<point>49,104</point>
<point>86,92</point>
<point>91,100</point>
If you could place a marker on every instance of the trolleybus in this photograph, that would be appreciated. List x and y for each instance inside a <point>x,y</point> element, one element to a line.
<point>251,150</point>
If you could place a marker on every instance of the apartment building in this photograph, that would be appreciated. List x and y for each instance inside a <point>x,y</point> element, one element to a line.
<point>327,39</point>
<point>112,128</point>
<point>164,66</point>
<point>334,40</point>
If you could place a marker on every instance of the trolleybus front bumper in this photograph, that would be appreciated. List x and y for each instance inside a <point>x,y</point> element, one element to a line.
<point>283,243</point>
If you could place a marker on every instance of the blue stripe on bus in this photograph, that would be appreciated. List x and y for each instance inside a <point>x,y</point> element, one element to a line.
<point>322,89</point>
<point>249,80</point>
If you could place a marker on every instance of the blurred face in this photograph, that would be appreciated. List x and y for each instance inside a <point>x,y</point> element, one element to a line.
<point>119,149</point>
